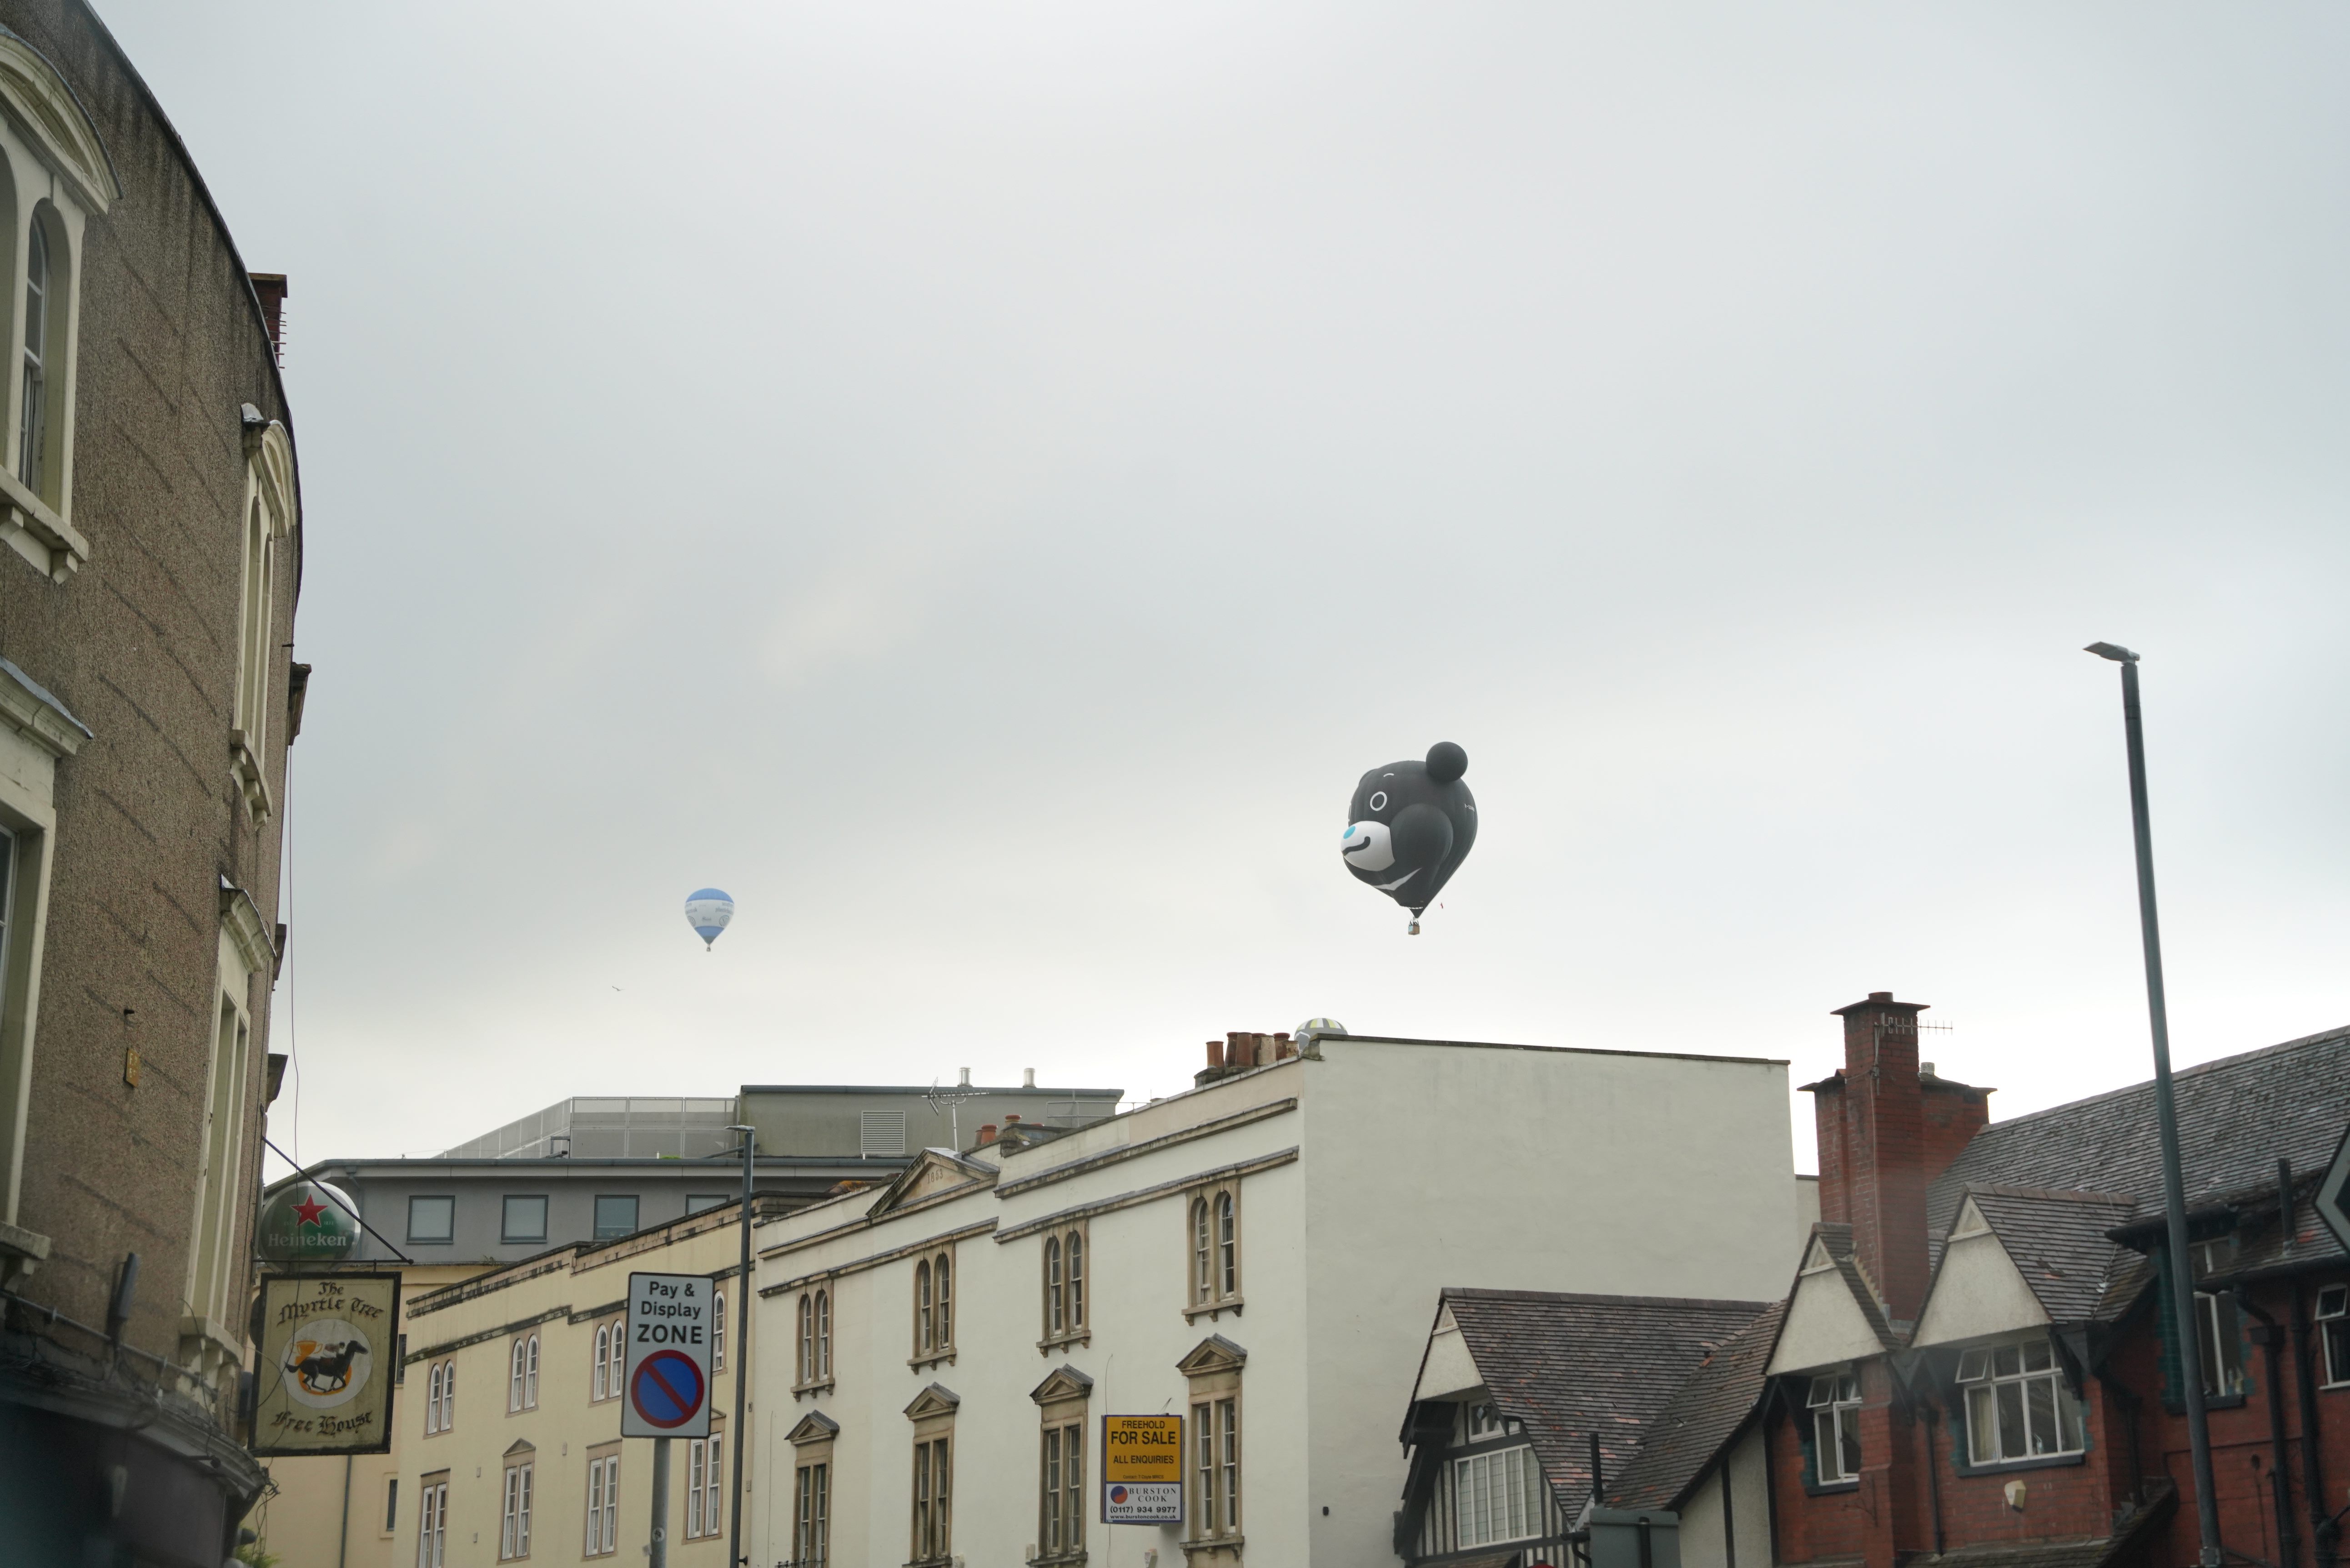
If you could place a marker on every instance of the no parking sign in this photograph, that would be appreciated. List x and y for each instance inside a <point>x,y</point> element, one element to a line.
<point>668,1373</point>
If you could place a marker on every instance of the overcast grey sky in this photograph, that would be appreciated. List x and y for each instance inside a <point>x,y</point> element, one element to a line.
<point>979,482</point>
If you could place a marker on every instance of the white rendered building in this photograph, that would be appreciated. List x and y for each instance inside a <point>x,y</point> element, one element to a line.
<point>1260,1254</point>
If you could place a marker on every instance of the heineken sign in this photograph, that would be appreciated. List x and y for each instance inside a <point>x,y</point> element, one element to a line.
<point>308,1223</point>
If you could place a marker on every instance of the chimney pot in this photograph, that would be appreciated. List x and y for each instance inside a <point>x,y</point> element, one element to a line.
<point>1027,1078</point>
<point>1880,996</point>
<point>1925,1070</point>
<point>966,1077</point>
<point>1215,1054</point>
<point>1010,1119</point>
<point>986,1133</point>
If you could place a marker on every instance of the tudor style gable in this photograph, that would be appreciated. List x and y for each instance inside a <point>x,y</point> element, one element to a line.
<point>1833,1315</point>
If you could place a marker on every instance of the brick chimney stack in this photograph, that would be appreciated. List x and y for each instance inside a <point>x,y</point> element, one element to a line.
<point>271,288</point>
<point>1880,1148</point>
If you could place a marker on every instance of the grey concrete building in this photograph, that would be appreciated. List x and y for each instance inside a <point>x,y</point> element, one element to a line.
<point>150,550</point>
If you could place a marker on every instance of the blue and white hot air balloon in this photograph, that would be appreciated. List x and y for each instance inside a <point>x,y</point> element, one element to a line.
<point>708,910</point>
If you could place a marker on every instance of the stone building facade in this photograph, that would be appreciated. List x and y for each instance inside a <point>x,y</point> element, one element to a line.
<point>151,513</point>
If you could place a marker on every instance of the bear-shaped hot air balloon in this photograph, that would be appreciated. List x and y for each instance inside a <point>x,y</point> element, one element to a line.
<point>1409,826</point>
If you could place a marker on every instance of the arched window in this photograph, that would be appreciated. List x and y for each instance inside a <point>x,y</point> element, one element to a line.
<point>513,1374</point>
<point>32,405</point>
<point>717,1331</point>
<point>1056,1305</point>
<point>1203,1276</point>
<point>448,1395</point>
<point>1228,1272</point>
<point>922,1340</point>
<point>432,1400</point>
<point>1215,1238</point>
<point>603,1355</point>
<point>824,1336</point>
<point>945,1321</point>
<point>1076,1265</point>
<point>806,1371</point>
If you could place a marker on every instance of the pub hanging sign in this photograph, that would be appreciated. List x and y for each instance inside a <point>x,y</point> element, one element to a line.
<point>328,1353</point>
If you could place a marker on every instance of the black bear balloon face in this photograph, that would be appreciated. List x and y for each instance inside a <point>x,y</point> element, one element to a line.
<point>1410,825</point>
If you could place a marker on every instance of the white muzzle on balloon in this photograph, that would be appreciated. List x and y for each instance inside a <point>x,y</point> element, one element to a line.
<point>1367,846</point>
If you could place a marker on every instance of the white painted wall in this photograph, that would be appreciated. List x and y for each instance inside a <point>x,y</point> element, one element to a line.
<point>1703,1541</point>
<point>1422,1166</point>
<point>1601,1172</point>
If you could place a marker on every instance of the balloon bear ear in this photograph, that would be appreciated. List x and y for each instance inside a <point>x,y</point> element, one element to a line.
<point>1446,761</point>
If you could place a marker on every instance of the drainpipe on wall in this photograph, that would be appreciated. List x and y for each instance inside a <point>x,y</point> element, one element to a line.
<point>2323,1532</point>
<point>1934,1474</point>
<point>2270,1336</point>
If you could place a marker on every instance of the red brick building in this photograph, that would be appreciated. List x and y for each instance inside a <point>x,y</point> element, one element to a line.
<point>1976,1361</point>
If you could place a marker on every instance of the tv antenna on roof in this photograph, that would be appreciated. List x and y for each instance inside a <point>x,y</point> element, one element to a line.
<point>951,1102</point>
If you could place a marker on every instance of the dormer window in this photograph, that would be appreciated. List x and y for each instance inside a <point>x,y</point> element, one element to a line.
<point>1834,1403</point>
<point>2019,1405</point>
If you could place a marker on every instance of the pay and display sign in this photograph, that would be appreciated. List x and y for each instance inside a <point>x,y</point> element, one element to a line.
<point>667,1371</point>
<point>1142,1470</point>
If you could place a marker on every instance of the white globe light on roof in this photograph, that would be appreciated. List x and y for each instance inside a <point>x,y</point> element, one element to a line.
<point>709,910</point>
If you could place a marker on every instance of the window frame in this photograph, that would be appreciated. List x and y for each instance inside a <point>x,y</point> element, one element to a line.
<point>2218,1324</point>
<point>1215,1260</point>
<point>507,1235</point>
<point>934,1308</point>
<point>1838,1405</point>
<point>717,1327</point>
<point>812,1442</point>
<point>515,1501</point>
<point>433,1520</point>
<point>418,1239</point>
<point>2333,1336</point>
<point>1215,1470</point>
<point>1062,1264</point>
<point>522,1373</point>
<point>932,1540</point>
<point>1986,1408</point>
<point>599,1230</point>
<point>706,1458</point>
<point>1521,1468</point>
<point>603,1495</point>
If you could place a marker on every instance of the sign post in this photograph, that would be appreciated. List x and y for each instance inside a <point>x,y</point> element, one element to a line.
<point>667,1377</point>
<point>1142,1470</point>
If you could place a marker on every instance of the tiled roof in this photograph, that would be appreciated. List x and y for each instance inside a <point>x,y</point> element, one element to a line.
<point>1567,1366</point>
<point>1702,1417</point>
<point>2262,1244</point>
<point>2293,1094</point>
<point>2057,1241</point>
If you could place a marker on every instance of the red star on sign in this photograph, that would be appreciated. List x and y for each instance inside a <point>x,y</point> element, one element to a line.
<point>310,1209</point>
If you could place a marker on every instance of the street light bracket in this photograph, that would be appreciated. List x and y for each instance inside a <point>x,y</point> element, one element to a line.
<point>2113,650</point>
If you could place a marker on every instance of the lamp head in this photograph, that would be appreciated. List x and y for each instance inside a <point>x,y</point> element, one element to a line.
<point>2113,650</point>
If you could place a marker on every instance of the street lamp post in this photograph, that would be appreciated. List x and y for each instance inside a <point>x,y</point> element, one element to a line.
<point>743,1296</point>
<point>2165,1116</point>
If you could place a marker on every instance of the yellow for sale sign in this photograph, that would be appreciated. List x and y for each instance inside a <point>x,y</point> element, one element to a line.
<point>1142,1470</point>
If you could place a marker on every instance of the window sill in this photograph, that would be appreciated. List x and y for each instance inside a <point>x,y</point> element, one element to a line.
<point>21,1251</point>
<point>2001,1466</point>
<point>2210,1402</point>
<point>35,532</point>
<point>1209,1546</point>
<point>924,1363</point>
<point>810,1390</point>
<point>1046,1346</point>
<point>1829,1489</point>
<point>1059,1560</point>
<point>1213,1310</point>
